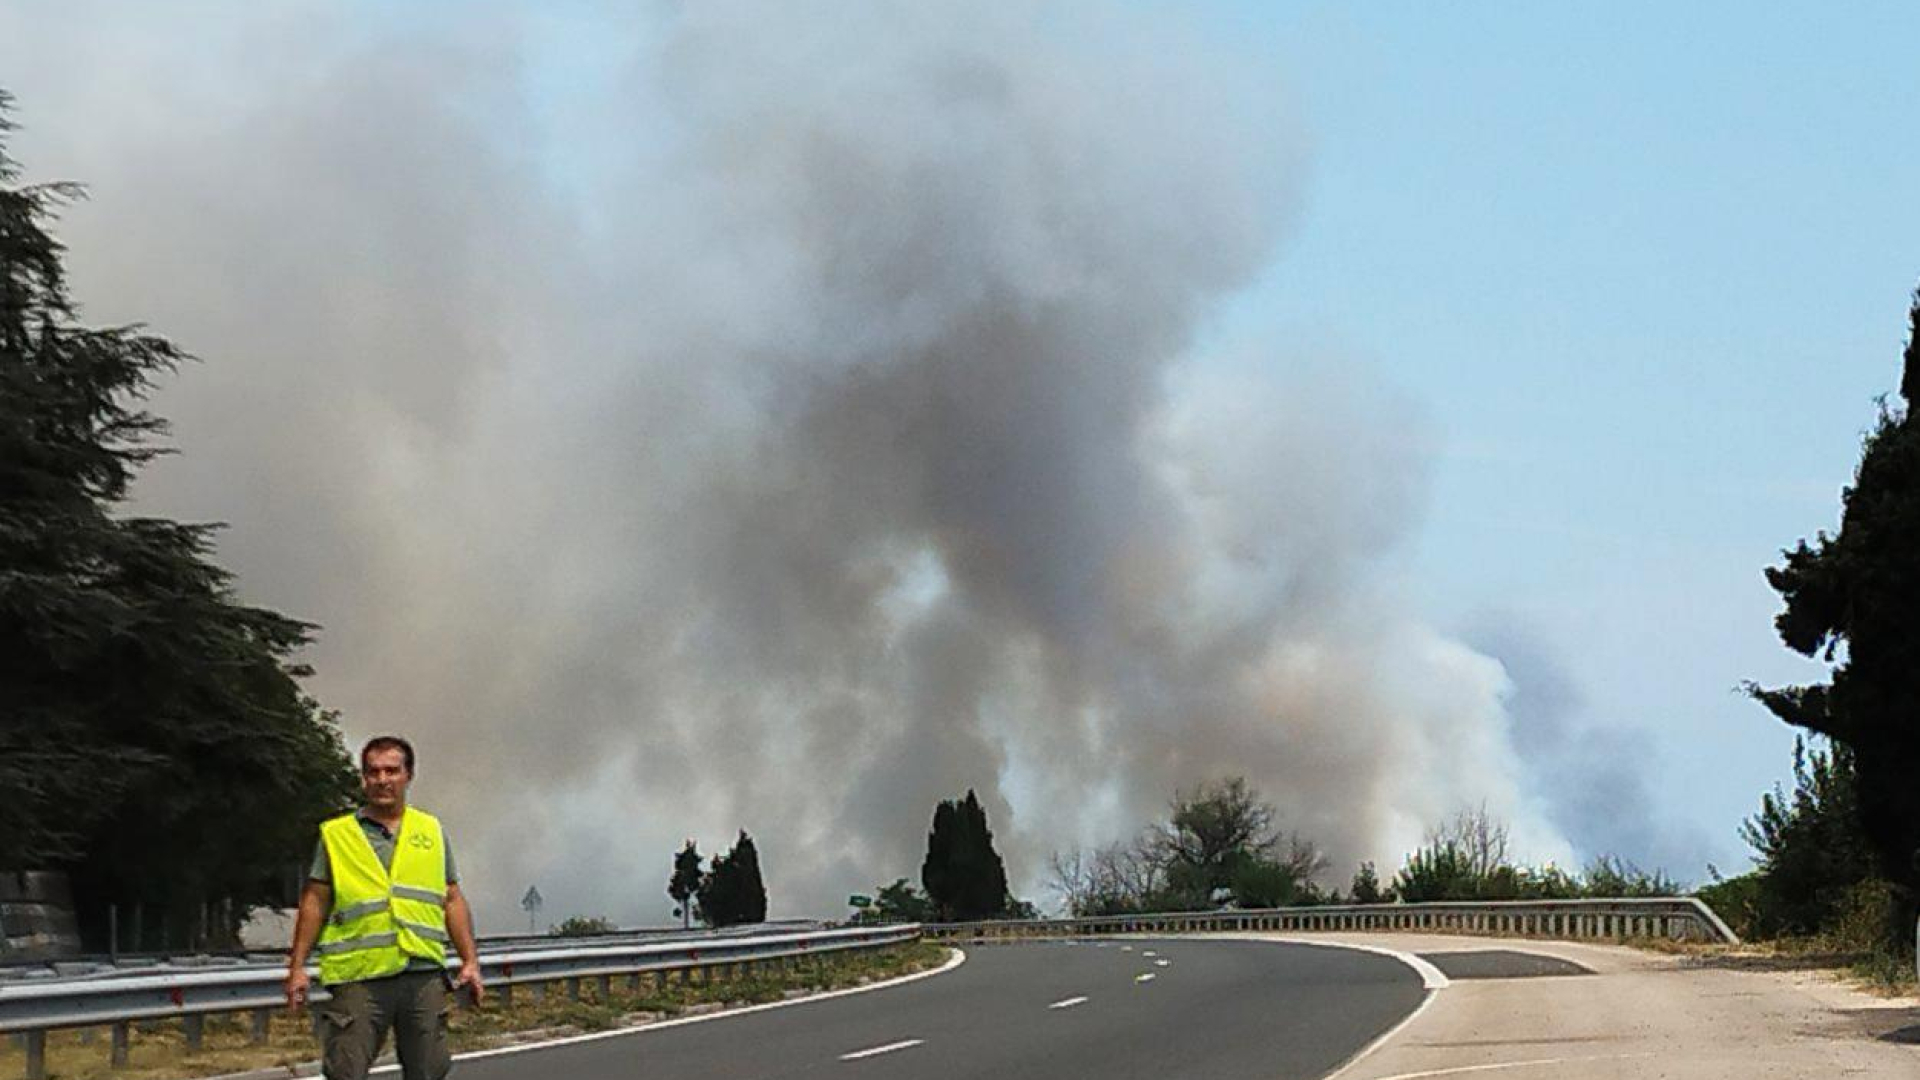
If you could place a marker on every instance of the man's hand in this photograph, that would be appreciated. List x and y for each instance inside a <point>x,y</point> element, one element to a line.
<point>460,928</point>
<point>315,899</point>
<point>469,977</point>
<point>297,984</point>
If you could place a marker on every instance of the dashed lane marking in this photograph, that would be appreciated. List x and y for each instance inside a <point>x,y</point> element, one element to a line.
<point>878,1050</point>
<point>1147,977</point>
<point>1066,1003</point>
<point>1161,963</point>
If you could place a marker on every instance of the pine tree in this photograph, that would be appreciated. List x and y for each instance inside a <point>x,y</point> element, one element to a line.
<point>142,699</point>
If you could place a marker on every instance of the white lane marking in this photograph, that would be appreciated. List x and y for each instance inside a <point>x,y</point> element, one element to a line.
<point>1161,963</point>
<point>878,1050</point>
<point>1461,1069</point>
<point>953,961</point>
<point>1149,952</point>
<point>1431,979</point>
<point>1148,977</point>
<point>1126,948</point>
<point>1066,1003</point>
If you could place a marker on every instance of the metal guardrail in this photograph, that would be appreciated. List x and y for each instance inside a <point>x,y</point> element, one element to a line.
<point>33,1009</point>
<point>1677,918</point>
<point>101,966</point>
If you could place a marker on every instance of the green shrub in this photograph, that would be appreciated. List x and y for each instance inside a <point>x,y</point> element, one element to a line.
<point>583,926</point>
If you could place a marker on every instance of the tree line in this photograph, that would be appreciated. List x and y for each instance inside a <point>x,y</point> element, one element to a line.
<point>1221,845</point>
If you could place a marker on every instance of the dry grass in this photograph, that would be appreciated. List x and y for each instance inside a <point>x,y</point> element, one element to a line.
<point>158,1051</point>
<point>1876,971</point>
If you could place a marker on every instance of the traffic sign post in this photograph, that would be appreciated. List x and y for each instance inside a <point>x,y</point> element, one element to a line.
<point>531,902</point>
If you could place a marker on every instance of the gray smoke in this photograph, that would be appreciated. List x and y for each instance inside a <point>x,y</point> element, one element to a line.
<point>769,417</point>
<point>1588,775</point>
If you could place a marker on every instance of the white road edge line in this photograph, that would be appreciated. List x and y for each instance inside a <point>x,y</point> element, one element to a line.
<point>957,958</point>
<point>1458,1070</point>
<point>878,1050</point>
<point>1432,980</point>
<point>1066,1003</point>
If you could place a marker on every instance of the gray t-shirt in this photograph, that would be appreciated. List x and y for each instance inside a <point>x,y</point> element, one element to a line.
<point>383,844</point>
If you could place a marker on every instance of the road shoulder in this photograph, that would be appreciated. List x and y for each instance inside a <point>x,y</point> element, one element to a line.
<point>1637,1014</point>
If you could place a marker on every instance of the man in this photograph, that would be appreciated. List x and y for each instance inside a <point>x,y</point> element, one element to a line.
<point>381,902</point>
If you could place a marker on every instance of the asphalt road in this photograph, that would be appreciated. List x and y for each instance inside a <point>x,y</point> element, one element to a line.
<point>1177,1009</point>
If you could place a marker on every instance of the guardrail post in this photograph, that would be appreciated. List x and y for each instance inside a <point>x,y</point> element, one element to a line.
<point>573,989</point>
<point>36,1055</point>
<point>261,1018</point>
<point>537,991</point>
<point>606,989</point>
<point>195,1027</point>
<point>121,1033</point>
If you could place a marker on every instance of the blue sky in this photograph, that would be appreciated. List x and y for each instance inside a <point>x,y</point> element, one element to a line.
<point>1646,268</point>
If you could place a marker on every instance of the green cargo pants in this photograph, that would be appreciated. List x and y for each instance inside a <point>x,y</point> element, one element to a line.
<point>353,1023</point>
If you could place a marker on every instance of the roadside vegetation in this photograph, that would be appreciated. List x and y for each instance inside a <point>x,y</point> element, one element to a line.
<point>158,1050</point>
<point>1221,844</point>
<point>1817,898</point>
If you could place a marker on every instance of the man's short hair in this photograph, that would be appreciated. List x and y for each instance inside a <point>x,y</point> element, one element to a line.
<point>388,742</point>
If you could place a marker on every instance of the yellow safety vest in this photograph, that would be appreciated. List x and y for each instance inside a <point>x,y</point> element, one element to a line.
<point>382,918</point>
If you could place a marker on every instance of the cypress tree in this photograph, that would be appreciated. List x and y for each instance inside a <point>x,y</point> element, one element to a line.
<point>684,885</point>
<point>732,892</point>
<point>751,894</point>
<point>962,873</point>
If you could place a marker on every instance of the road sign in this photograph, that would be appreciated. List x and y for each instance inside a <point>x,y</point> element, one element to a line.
<point>859,901</point>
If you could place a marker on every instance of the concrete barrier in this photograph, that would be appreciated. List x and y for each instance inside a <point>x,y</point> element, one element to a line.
<point>36,916</point>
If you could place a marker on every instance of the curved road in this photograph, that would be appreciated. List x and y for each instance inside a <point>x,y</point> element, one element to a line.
<point>1176,1009</point>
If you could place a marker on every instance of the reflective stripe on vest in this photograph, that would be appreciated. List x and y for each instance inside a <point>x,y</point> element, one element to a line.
<point>384,917</point>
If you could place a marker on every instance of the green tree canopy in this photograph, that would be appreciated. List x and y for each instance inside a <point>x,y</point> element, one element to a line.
<point>962,872</point>
<point>1851,599</point>
<point>901,902</point>
<point>144,702</point>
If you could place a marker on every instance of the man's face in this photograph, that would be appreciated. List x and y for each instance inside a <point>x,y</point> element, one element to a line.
<point>384,776</point>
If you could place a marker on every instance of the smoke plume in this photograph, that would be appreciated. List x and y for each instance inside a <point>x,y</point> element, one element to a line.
<point>769,417</point>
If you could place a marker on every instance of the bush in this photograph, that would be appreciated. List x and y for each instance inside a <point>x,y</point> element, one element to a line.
<point>583,926</point>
